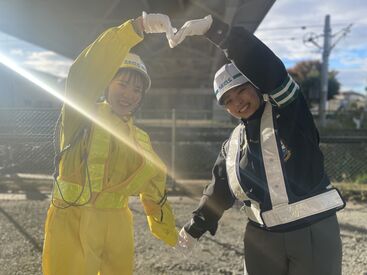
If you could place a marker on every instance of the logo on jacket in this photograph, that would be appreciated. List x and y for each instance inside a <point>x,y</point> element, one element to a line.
<point>286,152</point>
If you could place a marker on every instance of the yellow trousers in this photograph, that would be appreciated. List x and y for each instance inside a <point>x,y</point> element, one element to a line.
<point>88,241</point>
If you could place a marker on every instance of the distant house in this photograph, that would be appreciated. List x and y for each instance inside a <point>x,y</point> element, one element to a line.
<point>346,101</point>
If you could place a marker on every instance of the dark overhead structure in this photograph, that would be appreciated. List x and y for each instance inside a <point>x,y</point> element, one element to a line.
<point>68,26</point>
<point>181,77</point>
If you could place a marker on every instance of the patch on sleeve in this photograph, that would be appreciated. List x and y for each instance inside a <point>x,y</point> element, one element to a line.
<point>286,93</point>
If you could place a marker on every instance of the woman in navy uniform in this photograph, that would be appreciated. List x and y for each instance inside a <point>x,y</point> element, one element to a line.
<point>271,162</point>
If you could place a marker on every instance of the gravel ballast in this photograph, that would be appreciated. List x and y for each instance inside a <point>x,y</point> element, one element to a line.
<point>21,233</point>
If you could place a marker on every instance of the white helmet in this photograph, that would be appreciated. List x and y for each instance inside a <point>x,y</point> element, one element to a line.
<point>133,61</point>
<point>227,78</point>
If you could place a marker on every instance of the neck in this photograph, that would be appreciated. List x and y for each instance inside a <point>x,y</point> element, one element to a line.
<point>125,118</point>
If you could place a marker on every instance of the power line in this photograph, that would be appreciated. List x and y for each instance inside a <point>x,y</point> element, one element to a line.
<point>280,38</point>
<point>289,27</point>
<point>302,27</point>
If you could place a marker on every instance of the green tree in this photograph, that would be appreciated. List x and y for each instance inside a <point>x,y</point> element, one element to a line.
<point>308,76</point>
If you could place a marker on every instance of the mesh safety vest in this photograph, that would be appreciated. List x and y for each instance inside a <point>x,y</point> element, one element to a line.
<point>94,167</point>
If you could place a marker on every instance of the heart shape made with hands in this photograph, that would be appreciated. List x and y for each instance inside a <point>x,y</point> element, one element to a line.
<point>161,23</point>
<point>158,23</point>
<point>190,28</point>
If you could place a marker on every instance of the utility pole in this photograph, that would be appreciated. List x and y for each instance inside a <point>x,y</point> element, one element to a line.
<point>326,50</point>
<point>173,149</point>
<point>325,71</point>
<point>364,110</point>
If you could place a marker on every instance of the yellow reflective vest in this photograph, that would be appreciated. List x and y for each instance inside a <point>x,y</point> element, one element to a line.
<point>103,168</point>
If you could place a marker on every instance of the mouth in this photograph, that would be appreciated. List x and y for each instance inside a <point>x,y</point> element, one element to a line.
<point>244,108</point>
<point>124,103</point>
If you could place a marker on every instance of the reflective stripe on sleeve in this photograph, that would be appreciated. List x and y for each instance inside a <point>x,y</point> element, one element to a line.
<point>286,93</point>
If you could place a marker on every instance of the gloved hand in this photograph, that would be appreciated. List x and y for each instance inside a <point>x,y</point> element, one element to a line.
<point>185,240</point>
<point>158,23</point>
<point>192,27</point>
<point>163,227</point>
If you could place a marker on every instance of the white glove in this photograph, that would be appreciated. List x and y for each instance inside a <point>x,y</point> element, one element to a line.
<point>192,27</point>
<point>158,23</point>
<point>185,240</point>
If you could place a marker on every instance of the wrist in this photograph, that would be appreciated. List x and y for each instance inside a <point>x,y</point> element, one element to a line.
<point>209,20</point>
<point>192,230</point>
<point>217,32</point>
<point>138,26</point>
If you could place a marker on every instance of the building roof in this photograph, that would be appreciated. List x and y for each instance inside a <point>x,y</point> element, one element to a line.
<point>352,93</point>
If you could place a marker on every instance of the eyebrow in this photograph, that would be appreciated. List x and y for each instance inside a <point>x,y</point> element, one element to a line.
<point>235,89</point>
<point>225,97</point>
<point>136,84</point>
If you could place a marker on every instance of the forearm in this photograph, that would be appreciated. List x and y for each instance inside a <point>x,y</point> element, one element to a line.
<point>252,57</point>
<point>216,198</point>
<point>256,61</point>
<point>153,194</point>
<point>92,71</point>
<point>97,64</point>
<point>205,218</point>
<point>159,213</point>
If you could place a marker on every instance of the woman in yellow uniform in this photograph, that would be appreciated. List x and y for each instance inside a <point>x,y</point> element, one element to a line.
<point>89,227</point>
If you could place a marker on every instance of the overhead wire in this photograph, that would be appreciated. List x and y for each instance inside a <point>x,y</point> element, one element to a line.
<point>302,27</point>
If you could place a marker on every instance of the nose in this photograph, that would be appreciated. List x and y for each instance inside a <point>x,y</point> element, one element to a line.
<point>237,100</point>
<point>129,93</point>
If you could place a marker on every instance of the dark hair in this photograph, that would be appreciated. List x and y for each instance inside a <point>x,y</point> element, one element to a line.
<point>133,75</point>
<point>259,94</point>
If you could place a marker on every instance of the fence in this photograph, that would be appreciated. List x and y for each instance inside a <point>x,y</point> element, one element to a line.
<point>26,146</point>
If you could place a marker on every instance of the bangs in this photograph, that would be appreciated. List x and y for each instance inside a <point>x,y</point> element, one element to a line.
<point>133,76</point>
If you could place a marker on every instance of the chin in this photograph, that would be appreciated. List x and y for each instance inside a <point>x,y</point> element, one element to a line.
<point>127,113</point>
<point>246,116</point>
<point>121,112</point>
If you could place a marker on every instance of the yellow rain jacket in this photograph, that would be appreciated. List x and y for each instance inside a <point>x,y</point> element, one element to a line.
<point>113,166</point>
<point>100,170</point>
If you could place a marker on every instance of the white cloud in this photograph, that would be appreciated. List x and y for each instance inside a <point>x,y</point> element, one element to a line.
<point>349,55</point>
<point>352,79</point>
<point>17,52</point>
<point>49,62</point>
<point>34,57</point>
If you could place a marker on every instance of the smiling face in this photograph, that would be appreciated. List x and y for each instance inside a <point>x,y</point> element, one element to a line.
<point>241,101</point>
<point>125,92</point>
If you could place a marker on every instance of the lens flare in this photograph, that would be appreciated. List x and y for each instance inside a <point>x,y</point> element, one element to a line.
<point>44,86</point>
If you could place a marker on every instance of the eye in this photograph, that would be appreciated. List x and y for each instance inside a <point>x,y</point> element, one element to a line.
<point>227,102</point>
<point>123,84</point>
<point>242,90</point>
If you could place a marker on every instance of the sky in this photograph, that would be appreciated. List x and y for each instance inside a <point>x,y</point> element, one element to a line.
<point>283,30</point>
<point>33,57</point>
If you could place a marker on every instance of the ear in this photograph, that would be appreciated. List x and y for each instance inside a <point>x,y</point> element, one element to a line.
<point>229,112</point>
<point>106,92</point>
